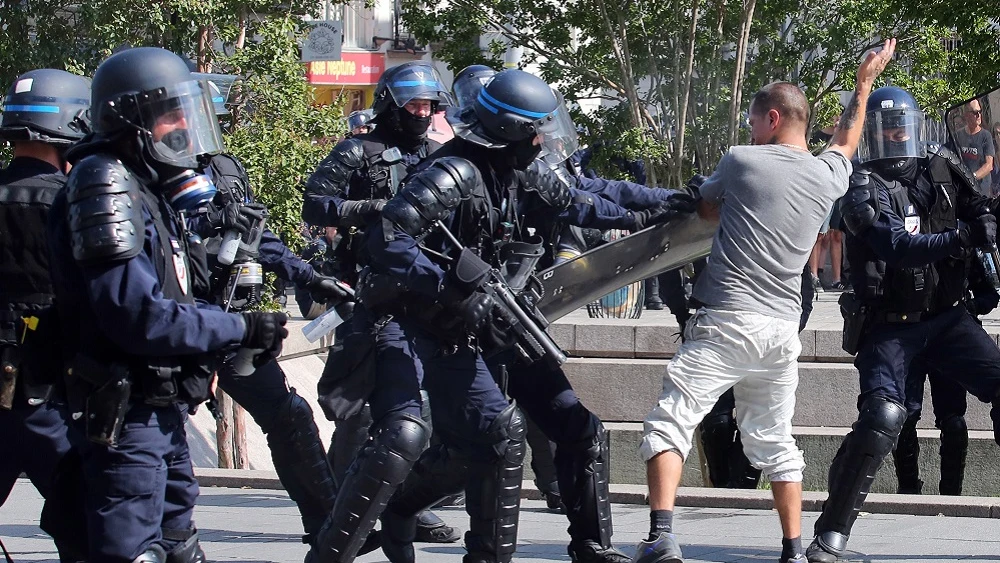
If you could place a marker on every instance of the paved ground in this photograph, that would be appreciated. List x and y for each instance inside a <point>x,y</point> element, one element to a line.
<point>253,525</point>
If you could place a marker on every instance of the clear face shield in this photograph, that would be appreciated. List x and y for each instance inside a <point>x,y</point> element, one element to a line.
<point>181,123</point>
<point>893,133</point>
<point>418,82</point>
<point>466,90</point>
<point>559,137</point>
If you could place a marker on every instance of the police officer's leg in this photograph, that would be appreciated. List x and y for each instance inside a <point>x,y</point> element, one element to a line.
<point>471,413</point>
<point>349,436</point>
<point>653,300</point>
<point>906,454</point>
<point>718,432</point>
<point>543,465</point>
<point>126,486</point>
<point>10,452</point>
<point>292,436</point>
<point>582,455</point>
<point>950,404</point>
<point>672,290</point>
<point>963,352</point>
<point>45,437</point>
<point>430,527</point>
<point>742,473</point>
<point>179,536</point>
<point>399,436</point>
<point>882,362</point>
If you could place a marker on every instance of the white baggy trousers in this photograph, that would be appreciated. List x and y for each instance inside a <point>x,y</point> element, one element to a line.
<point>754,354</point>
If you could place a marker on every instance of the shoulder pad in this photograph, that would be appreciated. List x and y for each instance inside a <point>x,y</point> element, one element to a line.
<point>551,186</point>
<point>333,173</point>
<point>859,207</point>
<point>36,190</point>
<point>105,210</point>
<point>431,194</point>
<point>859,178</point>
<point>940,153</point>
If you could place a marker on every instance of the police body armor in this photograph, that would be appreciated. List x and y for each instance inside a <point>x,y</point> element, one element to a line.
<point>377,174</point>
<point>105,218</point>
<point>904,294</point>
<point>26,344</point>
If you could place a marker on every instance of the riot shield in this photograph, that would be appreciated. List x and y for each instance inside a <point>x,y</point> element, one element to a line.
<point>623,303</point>
<point>573,284</point>
<point>974,134</point>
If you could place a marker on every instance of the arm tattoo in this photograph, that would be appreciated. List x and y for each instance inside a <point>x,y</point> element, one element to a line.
<point>850,114</point>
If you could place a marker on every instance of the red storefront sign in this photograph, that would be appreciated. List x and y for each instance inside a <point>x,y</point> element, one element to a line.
<point>354,69</point>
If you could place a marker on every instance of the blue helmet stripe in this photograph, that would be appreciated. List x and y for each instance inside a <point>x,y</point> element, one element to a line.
<point>411,83</point>
<point>484,98</point>
<point>32,108</point>
<point>487,105</point>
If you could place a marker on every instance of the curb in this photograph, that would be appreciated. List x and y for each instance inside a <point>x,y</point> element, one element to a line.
<point>693,497</point>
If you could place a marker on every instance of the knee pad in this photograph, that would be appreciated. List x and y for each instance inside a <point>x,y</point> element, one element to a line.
<point>402,435</point>
<point>880,419</point>
<point>506,433</point>
<point>292,414</point>
<point>954,426</point>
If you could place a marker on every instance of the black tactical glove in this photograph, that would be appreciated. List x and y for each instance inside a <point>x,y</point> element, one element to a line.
<point>326,289</point>
<point>361,212</point>
<point>265,331</point>
<point>229,218</point>
<point>475,311</point>
<point>676,205</point>
<point>980,232</point>
<point>694,184</point>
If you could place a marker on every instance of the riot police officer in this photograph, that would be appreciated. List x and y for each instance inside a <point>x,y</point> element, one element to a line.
<point>912,216</point>
<point>140,349</point>
<point>348,190</point>
<point>283,416</point>
<point>45,111</point>
<point>359,122</point>
<point>511,134</point>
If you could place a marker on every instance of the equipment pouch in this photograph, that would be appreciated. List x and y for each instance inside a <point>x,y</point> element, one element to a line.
<point>106,408</point>
<point>10,365</point>
<point>856,315</point>
<point>349,376</point>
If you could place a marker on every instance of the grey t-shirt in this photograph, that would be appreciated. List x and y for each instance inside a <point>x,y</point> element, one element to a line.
<point>974,150</point>
<point>773,201</point>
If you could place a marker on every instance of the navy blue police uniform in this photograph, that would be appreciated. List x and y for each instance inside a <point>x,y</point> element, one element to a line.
<point>519,193</point>
<point>283,416</point>
<point>45,110</point>
<point>139,349</point>
<point>909,240</point>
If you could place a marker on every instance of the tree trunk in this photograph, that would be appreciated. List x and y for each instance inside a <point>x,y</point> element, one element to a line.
<point>224,431</point>
<point>241,452</point>
<point>746,20</point>
<point>204,41</point>
<point>682,109</point>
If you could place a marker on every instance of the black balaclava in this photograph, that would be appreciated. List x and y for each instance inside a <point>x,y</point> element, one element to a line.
<point>523,153</point>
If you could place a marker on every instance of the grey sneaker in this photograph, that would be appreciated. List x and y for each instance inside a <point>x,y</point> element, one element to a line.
<point>817,285</point>
<point>662,550</point>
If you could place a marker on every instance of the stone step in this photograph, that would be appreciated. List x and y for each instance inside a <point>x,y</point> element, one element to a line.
<point>624,390</point>
<point>656,335</point>
<point>819,445</point>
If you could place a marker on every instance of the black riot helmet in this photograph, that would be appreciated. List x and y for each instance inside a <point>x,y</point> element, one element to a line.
<point>360,119</point>
<point>149,94</point>
<point>398,86</point>
<point>516,112</point>
<point>47,105</point>
<point>894,129</point>
<point>469,81</point>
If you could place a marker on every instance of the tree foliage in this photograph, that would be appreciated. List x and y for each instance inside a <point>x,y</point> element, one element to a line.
<point>275,126</point>
<point>674,77</point>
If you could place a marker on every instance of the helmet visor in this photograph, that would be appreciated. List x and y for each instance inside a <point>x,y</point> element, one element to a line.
<point>467,88</point>
<point>181,123</point>
<point>418,82</point>
<point>559,137</point>
<point>893,133</point>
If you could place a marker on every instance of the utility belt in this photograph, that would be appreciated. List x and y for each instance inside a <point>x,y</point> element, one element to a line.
<point>103,391</point>
<point>29,355</point>
<point>860,317</point>
<point>383,296</point>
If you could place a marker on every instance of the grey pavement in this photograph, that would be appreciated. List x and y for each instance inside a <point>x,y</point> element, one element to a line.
<point>256,525</point>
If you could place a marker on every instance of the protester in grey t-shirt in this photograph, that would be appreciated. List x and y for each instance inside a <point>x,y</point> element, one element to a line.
<point>775,198</point>
<point>770,201</point>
